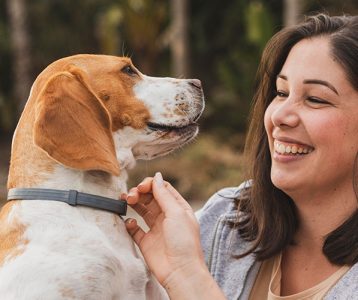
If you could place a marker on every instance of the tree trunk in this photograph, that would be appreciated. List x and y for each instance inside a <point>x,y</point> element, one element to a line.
<point>179,38</point>
<point>292,13</point>
<point>21,52</point>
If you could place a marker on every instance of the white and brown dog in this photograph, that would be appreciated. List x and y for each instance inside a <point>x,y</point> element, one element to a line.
<point>87,119</point>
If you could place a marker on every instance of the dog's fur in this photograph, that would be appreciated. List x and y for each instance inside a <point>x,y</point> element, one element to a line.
<point>87,119</point>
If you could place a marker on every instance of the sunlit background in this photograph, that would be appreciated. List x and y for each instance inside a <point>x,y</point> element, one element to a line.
<point>217,41</point>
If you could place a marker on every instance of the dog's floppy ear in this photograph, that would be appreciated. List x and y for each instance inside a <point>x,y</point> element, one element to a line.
<point>73,126</point>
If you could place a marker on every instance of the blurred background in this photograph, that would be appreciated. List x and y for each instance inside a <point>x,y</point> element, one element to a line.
<point>217,41</point>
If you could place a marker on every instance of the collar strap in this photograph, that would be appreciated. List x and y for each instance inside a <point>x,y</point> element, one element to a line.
<point>70,197</point>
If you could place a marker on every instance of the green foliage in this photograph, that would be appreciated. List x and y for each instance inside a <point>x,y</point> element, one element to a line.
<point>143,26</point>
<point>226,40</point>
<point>228,37</point>
<point>259,25</point>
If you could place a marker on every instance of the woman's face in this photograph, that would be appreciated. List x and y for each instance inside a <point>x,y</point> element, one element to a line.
<point>312,123</point>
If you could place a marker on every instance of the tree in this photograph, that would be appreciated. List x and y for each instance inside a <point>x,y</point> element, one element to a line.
<point>21,51</point>
<point>292,13</point>
<point>179,37</point>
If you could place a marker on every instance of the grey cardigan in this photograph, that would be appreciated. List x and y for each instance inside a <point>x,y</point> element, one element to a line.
<point>221,242</point>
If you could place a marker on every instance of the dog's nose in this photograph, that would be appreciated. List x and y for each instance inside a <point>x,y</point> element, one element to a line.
<point>196,83</point>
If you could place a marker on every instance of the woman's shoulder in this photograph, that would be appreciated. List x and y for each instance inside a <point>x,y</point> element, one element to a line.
<point>222,202</point>
<point>346,287</point>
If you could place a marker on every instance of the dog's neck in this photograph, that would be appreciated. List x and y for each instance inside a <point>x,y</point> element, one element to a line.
<point>96,182</point>
<point>31,167</point>
<point>55,176</point>
<point>91,182</point>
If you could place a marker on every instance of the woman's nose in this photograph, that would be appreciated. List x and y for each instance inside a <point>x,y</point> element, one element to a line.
<point>285,114</point>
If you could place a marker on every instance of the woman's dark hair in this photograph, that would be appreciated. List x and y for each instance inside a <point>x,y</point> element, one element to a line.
<point>271,218</point>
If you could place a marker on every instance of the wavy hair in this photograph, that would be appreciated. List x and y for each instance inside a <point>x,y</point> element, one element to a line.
<point>271,220</point>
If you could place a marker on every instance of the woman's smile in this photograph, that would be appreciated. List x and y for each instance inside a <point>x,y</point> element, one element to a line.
<point>288,151</point>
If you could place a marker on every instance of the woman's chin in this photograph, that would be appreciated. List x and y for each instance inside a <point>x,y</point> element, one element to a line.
<point>286,184</point>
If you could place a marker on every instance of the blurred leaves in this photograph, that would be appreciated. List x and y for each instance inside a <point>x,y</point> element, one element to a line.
<point>259,24</point>
<point>107,29</point>
<point>143,26</point>
<point>226,41</point>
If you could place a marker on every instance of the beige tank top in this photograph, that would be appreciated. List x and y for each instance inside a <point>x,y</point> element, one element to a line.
<point>268,283</point>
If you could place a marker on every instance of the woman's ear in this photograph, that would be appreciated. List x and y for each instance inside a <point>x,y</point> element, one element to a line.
<point>72,125</point>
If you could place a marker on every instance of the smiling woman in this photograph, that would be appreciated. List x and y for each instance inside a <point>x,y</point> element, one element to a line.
<point>310,72</point>
<point>291,231</point>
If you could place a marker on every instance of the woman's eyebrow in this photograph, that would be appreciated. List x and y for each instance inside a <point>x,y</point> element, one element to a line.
<point>321,82</point>
<point>284,77</point>
<point>313,81</point>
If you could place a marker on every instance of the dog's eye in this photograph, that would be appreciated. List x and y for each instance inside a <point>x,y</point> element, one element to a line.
<point>129,70</point>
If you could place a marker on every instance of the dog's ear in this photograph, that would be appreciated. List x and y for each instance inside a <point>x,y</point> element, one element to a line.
<point>73,126</point>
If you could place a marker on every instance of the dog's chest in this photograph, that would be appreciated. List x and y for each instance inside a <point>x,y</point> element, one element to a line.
<point>73,253</point>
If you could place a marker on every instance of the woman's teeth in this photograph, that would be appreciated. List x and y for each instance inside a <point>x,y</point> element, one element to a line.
<point>291,148</point>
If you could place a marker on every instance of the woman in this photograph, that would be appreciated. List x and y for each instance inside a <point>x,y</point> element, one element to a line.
<point>292,231</point>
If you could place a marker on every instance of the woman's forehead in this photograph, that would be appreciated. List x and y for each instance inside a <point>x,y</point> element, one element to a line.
<point>312,59</point>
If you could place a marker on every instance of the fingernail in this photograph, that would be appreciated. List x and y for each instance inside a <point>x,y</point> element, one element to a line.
<point>129,221</point>
<point>159,179</point>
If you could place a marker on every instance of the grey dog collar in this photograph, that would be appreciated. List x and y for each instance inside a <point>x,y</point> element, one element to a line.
<point>70,197</point>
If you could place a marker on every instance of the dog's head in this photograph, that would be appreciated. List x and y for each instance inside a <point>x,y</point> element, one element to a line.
<point>89,106</point>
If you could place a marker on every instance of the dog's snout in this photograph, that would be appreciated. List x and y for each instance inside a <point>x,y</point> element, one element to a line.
<point>196,83</point>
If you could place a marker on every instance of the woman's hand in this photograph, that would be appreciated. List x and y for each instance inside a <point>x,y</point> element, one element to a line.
<point>172,244</point>
<point>171,247</point>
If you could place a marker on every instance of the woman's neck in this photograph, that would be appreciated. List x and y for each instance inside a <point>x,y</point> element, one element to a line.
<point>321,212</point>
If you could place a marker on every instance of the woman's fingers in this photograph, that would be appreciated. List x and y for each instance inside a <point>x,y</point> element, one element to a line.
<point>135,231</point>
<point>142,203</point>
<point>181,201</point>
<point>148,215</point>
<point>166,200</point>
<point>134,196</point>
<point>146,185</point>
<point>140,193</point>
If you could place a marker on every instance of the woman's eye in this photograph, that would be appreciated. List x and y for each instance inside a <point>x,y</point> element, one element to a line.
<point>281,94</point>
<point>316,100</point>
<point>129,70</point>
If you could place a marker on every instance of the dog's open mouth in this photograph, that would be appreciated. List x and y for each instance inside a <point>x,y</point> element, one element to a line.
<point>163,127</point>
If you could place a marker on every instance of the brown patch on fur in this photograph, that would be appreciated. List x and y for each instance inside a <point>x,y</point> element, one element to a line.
<point>11,234</point>
<point>118,88</point>
<point>127,113</point>
<point>126,120</point>
<point>29,166</point>
<point>104,96</point>
<point>73,127</point>
<point>75,105</point>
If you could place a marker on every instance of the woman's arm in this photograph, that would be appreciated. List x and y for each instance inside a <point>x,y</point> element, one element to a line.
<point>171,247</point>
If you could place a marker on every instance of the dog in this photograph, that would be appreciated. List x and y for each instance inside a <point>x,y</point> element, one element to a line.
<point>87,120</point>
